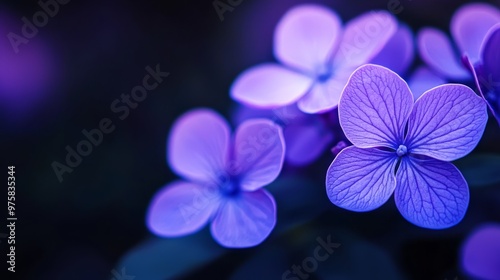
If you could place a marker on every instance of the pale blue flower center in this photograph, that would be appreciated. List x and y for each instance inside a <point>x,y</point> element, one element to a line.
<point>402,150</point>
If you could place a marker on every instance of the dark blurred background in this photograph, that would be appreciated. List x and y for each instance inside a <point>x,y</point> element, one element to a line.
<point>91,225</point>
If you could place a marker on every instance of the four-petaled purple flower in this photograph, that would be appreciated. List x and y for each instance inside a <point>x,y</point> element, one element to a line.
<point>403,146</point>
<point>224,179</point>
<point>317,58</point>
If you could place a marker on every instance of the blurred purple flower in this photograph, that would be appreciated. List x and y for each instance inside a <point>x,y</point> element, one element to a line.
<point>480,255</point>
<point>307,136</point>
<point>469,26</point>
<point>224,179</point>
<point>486,72</point>
<point>316,55</point>
<point>403,146</point>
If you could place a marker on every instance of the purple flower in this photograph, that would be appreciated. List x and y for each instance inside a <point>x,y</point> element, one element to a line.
<point>403,146</point>
<point>469,26</point>
<point>224,177</point>
<point>316,55</point>
<point>481,252</point>
<point>486,72</point>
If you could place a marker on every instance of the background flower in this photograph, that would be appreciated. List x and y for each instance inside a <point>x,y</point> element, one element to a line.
<point>317,57</point>
<point>224,180</point>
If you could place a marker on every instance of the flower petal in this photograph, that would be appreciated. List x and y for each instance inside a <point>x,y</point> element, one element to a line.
<point>431,193</point>
<point>485,86</point>
<point>361,179</point>
<point>306,140</point>
<point>399,51</point>
<point>447,122</point>
<point>374,107</point>
<point>481,252</point>
<point>324,96</point>
<point>469,26</point>
<point>491,59</point>
<point>181,208</point>
<point>436,50</point>
<point>270,85</point>
<point>245,221</point>
<point>198,145</point>
<point>259,150</point>
<point>422,80</point>
<point>306,36</point>
<point>364,37</point>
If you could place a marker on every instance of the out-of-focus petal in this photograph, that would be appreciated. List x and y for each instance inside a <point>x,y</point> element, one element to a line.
<point>270,85</point>
<point>306,140</point>
<point>198,145</point>
<point>399,51</point>
<point>364,37</point>
<point>306,36</point>
<point>484,85</point>
<point>446,123</point>
<point>431,193</point>
<point>246,220</point>
<point>469,26</point>
<point>181,208</point>
<point>374,107</point>
<point>259,150</point>
<point>422,80</point>
<point>436,50</point>
<point>324,95</point>
<point>361,179</point>
<point>481,252</point>
<point>491,59</point>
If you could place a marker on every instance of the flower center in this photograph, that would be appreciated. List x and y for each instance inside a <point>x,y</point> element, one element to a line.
<point>323,77</point>
<point>402,150</point>
<point>323,74</point>
<point>229,186</point>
